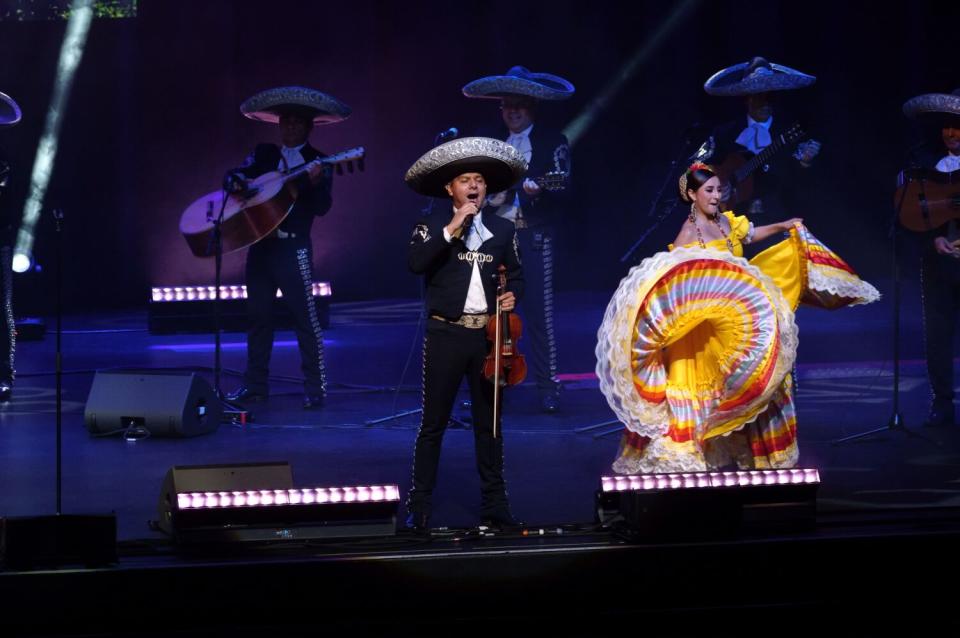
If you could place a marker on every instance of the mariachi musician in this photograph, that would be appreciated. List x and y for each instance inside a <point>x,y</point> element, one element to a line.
<point>758,83</point>
<point>9,115</point>
<point>537,212</point>
<point>459,253</point>
<point>940,255</point>
<point>284,259</point>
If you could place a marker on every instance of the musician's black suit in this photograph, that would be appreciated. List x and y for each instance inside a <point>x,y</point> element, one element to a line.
<point>452,352</point>
<point>284,260</point>
<point>777,184</point>
<point>940,284</point>
<point>543,215</point>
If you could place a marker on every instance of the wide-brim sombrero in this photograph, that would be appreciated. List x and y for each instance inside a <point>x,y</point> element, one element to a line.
<point>756,76</point>
<point>947,104</point>
<point>10,112</point>
<point>501,165</point>
<point>267,106</point>
<point>520,81</point>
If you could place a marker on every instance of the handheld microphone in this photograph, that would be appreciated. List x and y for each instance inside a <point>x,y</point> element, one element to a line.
<point>233,182</point>
<point>449,134</point>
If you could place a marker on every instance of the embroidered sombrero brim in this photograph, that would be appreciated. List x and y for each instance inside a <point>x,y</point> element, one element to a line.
<point>735,80</point>
<point>501,165</point>
<point>933,103</point>
<point>267,106</point>
<point>521,81</point>
<point>10,112</point>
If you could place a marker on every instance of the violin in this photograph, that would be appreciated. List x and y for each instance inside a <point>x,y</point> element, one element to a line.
<point>504,365</point>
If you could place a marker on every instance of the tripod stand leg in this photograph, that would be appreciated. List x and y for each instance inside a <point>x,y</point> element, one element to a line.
<point>600,435</point>
<point>398,415</point>
<point>595,426</point>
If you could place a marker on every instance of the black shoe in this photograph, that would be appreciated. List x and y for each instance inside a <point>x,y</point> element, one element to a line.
<point>550,403</point>
<point>243,394</point>
<point>499,520</point>
<point>418,523</point>
<point>313,401</point>
<point>941,415</point>
<point>6,390</point>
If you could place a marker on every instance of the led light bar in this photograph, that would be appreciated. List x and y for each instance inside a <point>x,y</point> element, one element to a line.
<point>205,293</point>
<point>279,498</point>
<point>708,480</point>
<point>700,506</point>
<point>233,509</point>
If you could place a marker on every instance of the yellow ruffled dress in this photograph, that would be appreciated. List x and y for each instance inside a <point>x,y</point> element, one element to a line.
<point>697,346</point>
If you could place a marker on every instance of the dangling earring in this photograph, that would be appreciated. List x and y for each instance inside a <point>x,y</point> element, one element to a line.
<point>693,212</point>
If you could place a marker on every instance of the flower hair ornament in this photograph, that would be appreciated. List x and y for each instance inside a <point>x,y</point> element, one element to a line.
<point>696,166</point>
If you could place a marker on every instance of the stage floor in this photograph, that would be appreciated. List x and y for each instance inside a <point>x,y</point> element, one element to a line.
<point>844,379</point>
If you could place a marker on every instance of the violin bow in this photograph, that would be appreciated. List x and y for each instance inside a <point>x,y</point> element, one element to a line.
<point>496,365</point>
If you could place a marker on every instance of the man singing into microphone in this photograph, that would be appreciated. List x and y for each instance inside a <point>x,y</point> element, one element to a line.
<point>459,254</point>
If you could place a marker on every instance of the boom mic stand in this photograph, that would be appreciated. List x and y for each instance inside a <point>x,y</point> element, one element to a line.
<point>427,210</point>
<point>216,246</point>
<point>665,208</point>
<point>895,423</point>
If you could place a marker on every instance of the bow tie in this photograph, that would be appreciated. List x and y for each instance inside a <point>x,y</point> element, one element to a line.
<point>755,137</point>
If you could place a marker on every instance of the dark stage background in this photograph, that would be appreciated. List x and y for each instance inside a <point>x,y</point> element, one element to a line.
<point>153,121</point>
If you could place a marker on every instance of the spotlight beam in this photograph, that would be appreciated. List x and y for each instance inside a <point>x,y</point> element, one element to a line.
<point>71,52</point>
<point>579,125</point>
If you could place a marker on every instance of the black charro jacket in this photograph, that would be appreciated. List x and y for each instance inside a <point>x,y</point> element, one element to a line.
<point>448,266</point>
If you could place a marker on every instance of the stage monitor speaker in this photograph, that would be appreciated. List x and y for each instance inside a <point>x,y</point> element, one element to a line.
<point>166,404</point>
<point>218,478</point>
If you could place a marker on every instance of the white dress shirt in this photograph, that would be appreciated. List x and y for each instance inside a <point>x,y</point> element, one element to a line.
<point>521,142</point>
<point>476,298</point>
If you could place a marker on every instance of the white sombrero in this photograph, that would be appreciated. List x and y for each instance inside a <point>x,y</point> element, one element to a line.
<point>501,165</point>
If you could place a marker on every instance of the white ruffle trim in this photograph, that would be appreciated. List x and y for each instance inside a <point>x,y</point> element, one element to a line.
<point>658,458</point>
<point>861,291</point>
<point>615,341</point>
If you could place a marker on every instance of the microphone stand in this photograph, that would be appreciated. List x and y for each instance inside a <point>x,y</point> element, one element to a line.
<point>427,210</point>
<point>666,208</point>
<point>670,204</point>
<point>58,310</point>
<point>895,423</point>
<point>216,245</point>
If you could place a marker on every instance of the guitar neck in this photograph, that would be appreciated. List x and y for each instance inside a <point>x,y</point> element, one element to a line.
<point>761,158</point>
<point>347,157</point>
<point>303,168</point>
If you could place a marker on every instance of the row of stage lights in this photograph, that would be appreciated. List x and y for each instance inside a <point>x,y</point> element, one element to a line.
<point>205,293</point>
<point>310,496</point>
<point>647,504</point>
<point>708,480</point>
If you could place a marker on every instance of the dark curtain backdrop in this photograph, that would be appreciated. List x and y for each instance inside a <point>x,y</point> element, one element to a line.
<point>154,121</point>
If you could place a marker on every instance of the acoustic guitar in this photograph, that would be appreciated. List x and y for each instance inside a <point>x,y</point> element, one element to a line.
<point>737,169</point>
<point>930,198</point>
<point>256,212</point>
